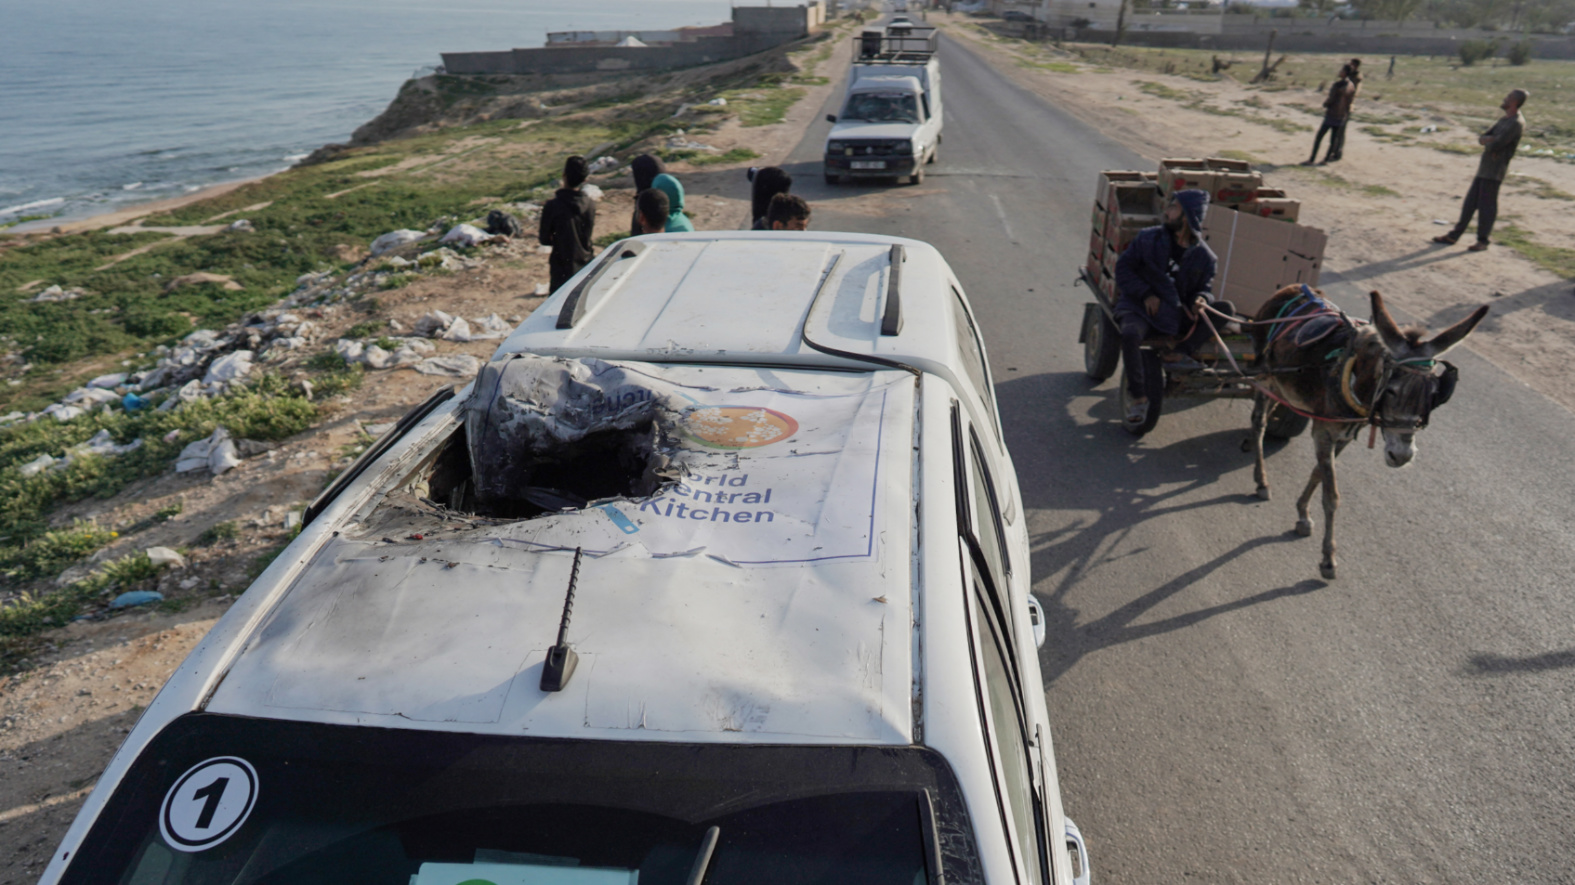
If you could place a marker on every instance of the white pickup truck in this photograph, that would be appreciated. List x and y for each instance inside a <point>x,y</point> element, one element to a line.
<point>890,125</point>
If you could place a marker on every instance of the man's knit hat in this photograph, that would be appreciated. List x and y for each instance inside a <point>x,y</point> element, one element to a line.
<point>1193,202</point>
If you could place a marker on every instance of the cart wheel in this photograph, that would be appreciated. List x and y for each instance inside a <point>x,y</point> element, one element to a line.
<point>1101,343</point>
<point>1286,424</point>
<point>1154,381</point>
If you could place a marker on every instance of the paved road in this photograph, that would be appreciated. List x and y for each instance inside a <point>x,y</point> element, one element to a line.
<point>1220,712</point>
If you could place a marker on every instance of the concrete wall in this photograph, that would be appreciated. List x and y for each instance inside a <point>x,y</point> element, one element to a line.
<point>571,59</point>
<point>755,29</point>
<point>557,37</point>
<point>1374,45</point>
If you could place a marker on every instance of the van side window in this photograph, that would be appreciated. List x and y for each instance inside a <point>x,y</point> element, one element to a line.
<point>979,523</point>
<point>972,354</point>
<point>1009,740</point>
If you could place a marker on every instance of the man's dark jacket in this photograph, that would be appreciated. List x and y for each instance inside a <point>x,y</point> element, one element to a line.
<point>568,222</point>
<point>1144,270</point>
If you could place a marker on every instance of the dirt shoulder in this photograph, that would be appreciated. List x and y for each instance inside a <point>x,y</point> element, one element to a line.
<point>1380,205</point>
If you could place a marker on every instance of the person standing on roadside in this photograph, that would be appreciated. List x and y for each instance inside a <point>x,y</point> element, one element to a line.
<point>1336,113</point>
<point>767,182</point>
<point>644,169</point>
<point>568,224</point>
<point>651,211</point>
<point>677,221</point>
<point>787,212</point>
<point>1498,148</point>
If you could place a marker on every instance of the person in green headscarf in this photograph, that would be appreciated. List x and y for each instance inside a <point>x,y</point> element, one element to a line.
<point>677,221</point>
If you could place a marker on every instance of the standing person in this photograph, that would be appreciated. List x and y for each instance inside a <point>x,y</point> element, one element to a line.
<point>1336,110</point>
<point>1337,139</point>
<point>568,224</point>
<point>1162,277</point>
<point>767,181</point>
<point>677,221</point>
<point>788,212</point>
<point>1498,148</point>
<point>651,211</point>
<point>644,168</point>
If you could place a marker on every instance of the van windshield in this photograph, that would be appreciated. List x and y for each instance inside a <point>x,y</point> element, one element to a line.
<point>226,800</point>
<point>882,107</point>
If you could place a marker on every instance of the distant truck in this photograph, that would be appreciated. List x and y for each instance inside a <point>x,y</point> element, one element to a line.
<point>890,125</point>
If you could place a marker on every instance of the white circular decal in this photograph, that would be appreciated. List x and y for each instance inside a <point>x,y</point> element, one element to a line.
<point>208,804</point>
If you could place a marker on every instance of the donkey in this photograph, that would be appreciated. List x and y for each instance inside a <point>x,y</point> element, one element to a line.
<point>1346,375</point>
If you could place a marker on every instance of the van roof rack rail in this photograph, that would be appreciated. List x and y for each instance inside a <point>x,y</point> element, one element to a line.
<point>574,305</point>
<point>891,319</point>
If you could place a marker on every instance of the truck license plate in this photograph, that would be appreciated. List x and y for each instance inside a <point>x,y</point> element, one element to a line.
<point>869,164</point>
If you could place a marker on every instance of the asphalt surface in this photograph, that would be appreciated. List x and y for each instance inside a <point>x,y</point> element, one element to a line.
<point>1221,713</point>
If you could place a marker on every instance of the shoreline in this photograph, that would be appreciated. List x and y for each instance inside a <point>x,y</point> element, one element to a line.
<point>129,214</point>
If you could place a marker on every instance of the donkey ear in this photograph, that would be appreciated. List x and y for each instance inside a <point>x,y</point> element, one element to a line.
<point>1447,339</point>
<point>1387,328</point>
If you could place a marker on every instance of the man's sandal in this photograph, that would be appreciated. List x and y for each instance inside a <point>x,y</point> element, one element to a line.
<point>1446,239</point>
<point>1478,246</point>
<point>1137,413</point>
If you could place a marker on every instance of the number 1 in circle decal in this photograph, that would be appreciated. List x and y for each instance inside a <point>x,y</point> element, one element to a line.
<point>208,804</point>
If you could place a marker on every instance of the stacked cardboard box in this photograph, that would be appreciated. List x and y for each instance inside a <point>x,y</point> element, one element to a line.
<point>1252,229</point>
<point>1125,203</point>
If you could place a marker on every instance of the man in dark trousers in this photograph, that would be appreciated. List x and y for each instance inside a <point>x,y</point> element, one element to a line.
<point>568,224</point>
<point>1498,148</point>
<point>1163,277</point>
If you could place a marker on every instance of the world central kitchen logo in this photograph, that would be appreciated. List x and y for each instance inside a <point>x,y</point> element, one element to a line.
<point>737,427</point>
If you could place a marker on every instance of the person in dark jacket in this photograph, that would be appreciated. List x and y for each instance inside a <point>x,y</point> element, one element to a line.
<point>767,181</point>
<point>568,225</point>
<point>1336,113</point>
<point>644,168</point>
<point>1162,278</point>
<point>787,212</point>
<point>1499,144</point>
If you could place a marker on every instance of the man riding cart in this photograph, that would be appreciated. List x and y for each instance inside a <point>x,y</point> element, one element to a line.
<point>1163,280</point>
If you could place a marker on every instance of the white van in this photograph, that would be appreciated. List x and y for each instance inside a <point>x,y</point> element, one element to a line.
<point>718,573</point>
<point>892,116</point>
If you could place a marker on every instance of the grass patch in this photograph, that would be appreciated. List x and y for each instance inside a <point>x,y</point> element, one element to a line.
<point>764,103</point>
<point>1538,188</point>
<point>1234,154</point>
<point>52,552</point>
<point>1378,190</point>
<point>1160,90</point>
<point>216,533</point>
<point>1557,259</point>
<point>736,155</point>
<point>1448,148</point>
<point>364,329</point>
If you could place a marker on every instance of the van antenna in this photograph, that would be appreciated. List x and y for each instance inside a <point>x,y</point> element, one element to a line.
<point>560,661</point>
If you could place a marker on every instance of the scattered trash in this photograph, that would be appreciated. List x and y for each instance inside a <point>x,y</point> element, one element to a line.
<point>394,239</point>
<point>241,225</point>
<point>292,520</point>
<point>229,368</point>
<point>505,225</point>
<point>718,102</point>
<point>378,429</point>
<point>592,191</point>
<point>602,164</point>
<point>160,556</point>
<point>1428,129</point>
<point>136,598</point>
<point>37,465</point>
<point>217,453</point>
<point>196,279</point>
<point>55,293</point>
<point>541,289</point>
<point>467,235</point>
<point>108,382</point>
<point>460,365</point>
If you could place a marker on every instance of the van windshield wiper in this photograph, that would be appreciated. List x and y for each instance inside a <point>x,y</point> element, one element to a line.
<point>703,859</point>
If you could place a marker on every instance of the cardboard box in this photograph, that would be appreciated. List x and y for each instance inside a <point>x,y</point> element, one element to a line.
<point>1258,256</point>
<point>1101,217</point>
<point>1270,192</point>
<point>1108,177</point>
<point>1275,208</point>
<point>1095,264</point>
<point>1121,231</point>
<point>1127,198</point>
<point>1180,175</point>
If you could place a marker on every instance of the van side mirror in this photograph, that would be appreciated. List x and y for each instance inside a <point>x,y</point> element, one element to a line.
<point>831,118</point>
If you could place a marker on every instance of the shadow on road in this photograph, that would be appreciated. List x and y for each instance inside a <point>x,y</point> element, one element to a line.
<point>1488,664</point>
<point>1115,483</point>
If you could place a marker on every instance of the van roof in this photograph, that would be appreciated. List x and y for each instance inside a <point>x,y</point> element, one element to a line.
<point>744,297</point>
<point>766,597</point>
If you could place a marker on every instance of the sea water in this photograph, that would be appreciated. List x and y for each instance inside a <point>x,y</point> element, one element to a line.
<point>104,103</point>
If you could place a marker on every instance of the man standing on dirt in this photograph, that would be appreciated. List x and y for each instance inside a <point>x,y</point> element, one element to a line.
<point>1336,113</point>
<point>1498,148</point>
<point>568,224</point>
<point>1163,277</point>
